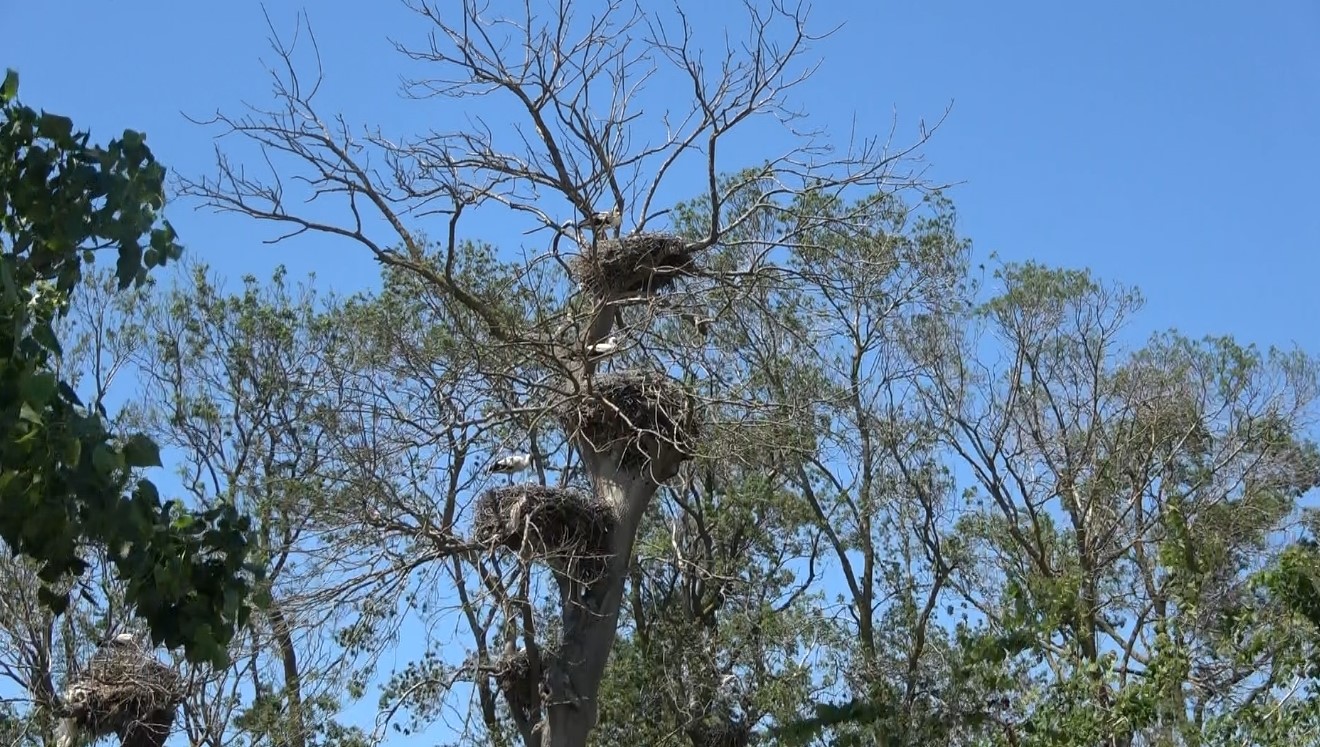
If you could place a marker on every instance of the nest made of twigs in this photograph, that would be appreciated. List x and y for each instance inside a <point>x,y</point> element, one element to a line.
<point>569,528</point>
<point>729,733</point>
<point>125,691</point>
<point>639,413</point>
<point>643,262</point>
<point>513,676</point>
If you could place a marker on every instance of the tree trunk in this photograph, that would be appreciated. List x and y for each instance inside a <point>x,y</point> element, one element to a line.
<point>297,731</point>
<point>590,622</point>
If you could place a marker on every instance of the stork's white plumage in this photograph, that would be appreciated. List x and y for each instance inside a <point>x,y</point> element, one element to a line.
<point>612,218</point>
<point>606,346</point>
<point>119,641</point>
<point>76,693</point>
<point>510,464</point>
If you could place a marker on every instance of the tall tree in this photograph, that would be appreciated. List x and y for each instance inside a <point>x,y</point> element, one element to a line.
<point>236,382</point>
<point>575,164</point>
<point>1123,505</point>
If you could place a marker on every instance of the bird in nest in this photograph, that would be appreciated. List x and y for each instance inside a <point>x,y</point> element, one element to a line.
<point>123,640</point>
<point>605,347</point>
<point>510,464</point>
<point>612,218</point>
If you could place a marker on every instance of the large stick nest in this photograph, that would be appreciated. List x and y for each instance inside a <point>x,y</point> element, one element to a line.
<point>125,691</point>
<point>569,528</point>
<point>639,414</point>
<point>513,676</point>
<point>730,733</point>
<point>644,262</point>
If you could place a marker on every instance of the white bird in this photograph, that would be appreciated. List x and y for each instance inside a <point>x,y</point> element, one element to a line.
<point>510,464</point>
<point>613,218</point>
<point>121,640</point>
<point>607,346</point>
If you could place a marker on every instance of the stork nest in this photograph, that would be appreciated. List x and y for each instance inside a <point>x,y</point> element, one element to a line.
<point>125,691</point>
<point>638,413</point>
<point>569,528</point>
<point>731,733</point>
<point>643,262</point>
<point>513,676</point>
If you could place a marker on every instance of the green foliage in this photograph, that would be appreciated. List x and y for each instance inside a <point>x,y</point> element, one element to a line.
<point>63,475</point>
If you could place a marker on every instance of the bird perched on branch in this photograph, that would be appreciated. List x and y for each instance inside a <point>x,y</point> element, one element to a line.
<point>511,464</point>
<point>598,221</point>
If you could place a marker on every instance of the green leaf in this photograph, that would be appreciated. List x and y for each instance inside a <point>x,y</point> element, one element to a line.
<point>140,451</point>
<point>10,88</point>
<point>25,412</point>
<point>72,451</point>
<point>45,336</point>
<point>55,127</point>
<point>39,388</point>
<point>261,599</point>
<point>57,602</point>
<point>130,259</point>
<point>105,460</point>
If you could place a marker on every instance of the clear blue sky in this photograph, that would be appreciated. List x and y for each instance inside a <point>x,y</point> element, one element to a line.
<point>1169,145</point>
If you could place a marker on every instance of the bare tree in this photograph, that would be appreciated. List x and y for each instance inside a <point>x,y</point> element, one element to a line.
<point>582,162</point>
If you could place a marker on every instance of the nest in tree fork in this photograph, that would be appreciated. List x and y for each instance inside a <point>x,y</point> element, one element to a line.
<point>730,733</point>
<point>640,263</point>
<point>513,676</point>
<point>639,414</point>
<point>569,528</point>
<point>127,692</point>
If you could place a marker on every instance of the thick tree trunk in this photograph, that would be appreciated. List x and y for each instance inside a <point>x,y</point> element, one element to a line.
<point>591,621</point>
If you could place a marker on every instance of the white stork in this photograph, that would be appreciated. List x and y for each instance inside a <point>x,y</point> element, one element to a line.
<point>122,640</point>
<point>613,218</point>
<point>511,464</point>
<point>606,346</point>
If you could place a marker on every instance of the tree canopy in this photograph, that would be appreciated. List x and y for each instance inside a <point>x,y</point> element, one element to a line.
<point>789,465</point>
<point>67,481</point>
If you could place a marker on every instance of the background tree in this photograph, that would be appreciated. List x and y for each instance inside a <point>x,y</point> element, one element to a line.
<point>923,508</point>
<point>63,474</point>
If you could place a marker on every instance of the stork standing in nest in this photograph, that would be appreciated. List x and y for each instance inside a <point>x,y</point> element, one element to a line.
<point>612,218</point>
<point>508,465</point>
<point>608,346</point>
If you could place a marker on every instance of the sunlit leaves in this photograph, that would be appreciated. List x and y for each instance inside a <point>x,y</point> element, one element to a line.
<point>65,480</point>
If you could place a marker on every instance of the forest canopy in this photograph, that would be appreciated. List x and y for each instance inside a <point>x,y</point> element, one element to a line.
<point>710,453</point>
